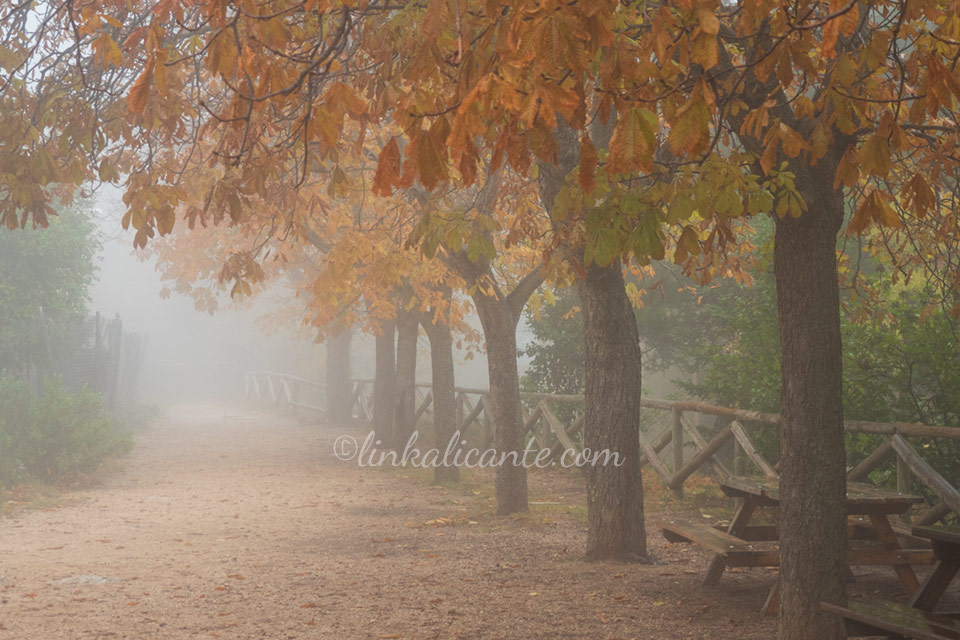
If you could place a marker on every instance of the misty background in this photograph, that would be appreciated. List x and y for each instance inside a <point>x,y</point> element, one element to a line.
<point>192,355</point>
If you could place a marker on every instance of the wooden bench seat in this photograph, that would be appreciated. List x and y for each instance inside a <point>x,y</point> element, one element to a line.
<point>880,617</point>
<point>735,551</point>
<point>755,532</point>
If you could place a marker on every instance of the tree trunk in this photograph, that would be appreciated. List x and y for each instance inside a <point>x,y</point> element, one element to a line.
<point>339,386</point>
<point>500,333</point>
<point>612,419</point>
<point>408,331</point>
<point>383,384</point>
<point>812,459</point>
<point>444,396</point>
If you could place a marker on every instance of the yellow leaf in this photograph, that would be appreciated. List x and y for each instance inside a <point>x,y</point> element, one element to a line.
<point>875,156</point>
<point>690,131</point>
<point>633,142</point>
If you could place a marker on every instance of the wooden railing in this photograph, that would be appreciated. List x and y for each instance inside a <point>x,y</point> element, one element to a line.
<point>290,392</point>
<point>671,443</point>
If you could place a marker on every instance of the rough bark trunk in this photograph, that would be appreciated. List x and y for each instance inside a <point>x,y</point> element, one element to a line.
<point>444,395</point>
<point>612,393</point>
<point>612,419</point>
<point>500,333</point>
<point>408,330</point>
<point>812,459</point>
<point>339,388</point>
<point>383,384</point>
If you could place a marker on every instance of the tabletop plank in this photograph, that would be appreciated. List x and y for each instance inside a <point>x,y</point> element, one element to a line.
<point>942,534</point>
<point>858,493</point>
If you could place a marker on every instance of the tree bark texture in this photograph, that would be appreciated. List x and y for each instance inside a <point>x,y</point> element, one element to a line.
<point>339,389</point>
<point>384,384</point>
<point>500,332</point>
<point>408,331</point>
<point>812,459</point>
<point>612,418</point>
<point>444,395</point>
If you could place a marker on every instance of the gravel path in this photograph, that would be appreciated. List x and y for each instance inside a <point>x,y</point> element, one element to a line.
<point>233,523</point>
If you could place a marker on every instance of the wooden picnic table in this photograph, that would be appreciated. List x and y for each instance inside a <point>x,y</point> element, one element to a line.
<point>741,537</point>
<point>946,550</point>
<point>916,620</point>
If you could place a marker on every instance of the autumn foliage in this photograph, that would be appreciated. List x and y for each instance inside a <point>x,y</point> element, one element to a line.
<point>381,153</point>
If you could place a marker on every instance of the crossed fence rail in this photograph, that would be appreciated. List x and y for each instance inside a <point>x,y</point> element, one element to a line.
<point>674,451</point>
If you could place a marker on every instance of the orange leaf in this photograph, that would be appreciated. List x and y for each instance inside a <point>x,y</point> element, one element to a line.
<point>345,99</point>
<point>919,195</point>
<point>431,154</point>
<point>874,208</point>
<point>588,164</point>
<point>831,31</point>
<point>850,20</point>
<point>848,171</point>
<point>435,19</point>
<point>137,98</point>
<point>467,164</point>
<point>388,169</point>
<point>709,22</point>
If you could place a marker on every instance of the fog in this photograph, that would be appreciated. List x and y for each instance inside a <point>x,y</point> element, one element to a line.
<point>192,355</point>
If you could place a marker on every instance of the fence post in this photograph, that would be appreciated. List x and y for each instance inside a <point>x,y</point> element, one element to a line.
<point>903,476</point>
<point>677,447</point>
<point>903,484</point>
<point>295,397</point>
<point>98,355</point>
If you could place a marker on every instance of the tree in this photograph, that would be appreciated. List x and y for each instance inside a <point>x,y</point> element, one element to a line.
<point>405,402</point>
<point>556,350</point>
<point>718,110</point>
<point>801,96</point>
<point>899,356</point>
<point>499,282</point>
<point>44,274</point>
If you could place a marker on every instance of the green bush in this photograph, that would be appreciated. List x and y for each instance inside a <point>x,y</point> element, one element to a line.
<point>55,435</point>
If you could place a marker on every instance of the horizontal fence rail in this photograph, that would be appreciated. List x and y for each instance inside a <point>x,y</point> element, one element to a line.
<point>671,443</point>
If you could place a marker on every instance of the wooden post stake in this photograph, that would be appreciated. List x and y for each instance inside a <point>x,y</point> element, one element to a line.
<point>677,448</point>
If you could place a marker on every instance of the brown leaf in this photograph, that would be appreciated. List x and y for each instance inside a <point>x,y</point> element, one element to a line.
<point>588,164</point>
<point>388,169</point>
<point>137,98</point>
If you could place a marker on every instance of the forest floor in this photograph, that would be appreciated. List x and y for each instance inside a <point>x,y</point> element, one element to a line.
<point>237,523</point>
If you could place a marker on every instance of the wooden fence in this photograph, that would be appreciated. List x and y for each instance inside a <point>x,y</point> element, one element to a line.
<point>96,353</point>
<point>671,443</point>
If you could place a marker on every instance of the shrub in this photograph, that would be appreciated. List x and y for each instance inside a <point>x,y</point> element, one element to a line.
<point>55,435</point>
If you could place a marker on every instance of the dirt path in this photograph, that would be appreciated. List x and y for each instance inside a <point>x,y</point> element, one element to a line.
<point>239,524</point>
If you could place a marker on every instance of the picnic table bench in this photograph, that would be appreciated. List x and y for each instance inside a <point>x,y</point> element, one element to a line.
<point>880,617</point>
<point>740,548</point>
<point>915,620</point>
<point>946,550</point>
<point>736,551</point>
